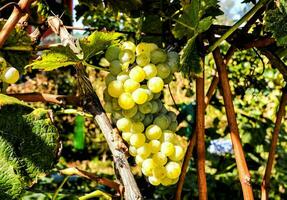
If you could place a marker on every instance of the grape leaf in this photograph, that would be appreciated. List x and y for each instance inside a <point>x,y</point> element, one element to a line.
<point>275,22</point>
<point>28,146</point>
<point>195,18</point>
<point>97,42</point>
<point>17,38</point>
<point>190,59</point>
<point>55,58</point>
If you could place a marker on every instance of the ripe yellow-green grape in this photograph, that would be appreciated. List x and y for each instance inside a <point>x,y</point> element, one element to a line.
<point>126,101</point>
<point>115,88</point>
<point>155,84</point>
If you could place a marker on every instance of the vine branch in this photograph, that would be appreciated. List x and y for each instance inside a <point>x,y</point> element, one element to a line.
<point>249,14</point>
<point>271,157</point>
<point>202,187</point>
<point>244,174</point>
<point>47,98</point>
<point>13,19</point>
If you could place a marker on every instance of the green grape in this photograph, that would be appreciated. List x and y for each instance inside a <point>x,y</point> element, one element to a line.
<point>163,71</point>
<point>160,105</point>
<point>150,71</point>
<point>168,79</point>
<point>137,139</point>
<point>145,108</point>
<point>115,104</point>
<point>166,181</point>
<point>147,166</point>
<point>106,95</point>
<point>3,63</point>
<point>139,160</point>
<point>159,158</point>
<point>158,56</point>
<point>10,75</point>
<point>159,172</point>
<point>112,53</point>
<point>145,48</point>
<point>167,148</point>
<point>143,59</point>
<point>149,93</point>
<point>155,107</point>
<point>115,88</point>
<point>155,84</point>
<point>162,121</point>
<point>124,124</point>
<point>126,136</point>
<point>133,151</point>
<point>123,76</point>
<point>125,66</point>
<point>153,132</point>
<point>172,116</point>
<point>137,127</point>
<point>116,116</point>
<point>144,151</point>
<point>173,126</point>
<point>154,146</point>
<point>130,112</point>
<point>154,180</point>
<point>129,45</point>
<point>126,101</point>
<point>167,136</point>
<point>148,119</point>
<point>115,67</point>
<point>137,74</point>
<point>126,56</point>
<point>104,62</point>
<point>178,153</point>
<point>108,107</point>
<point>138,117</point>
<point>173,170</point>
<point>109,78</point>
<point>174,181</point>
<point>131,85</point>
<point>156,96</point>
<point>163,111</point>
<point>173,61</point>
<point>140,96</point>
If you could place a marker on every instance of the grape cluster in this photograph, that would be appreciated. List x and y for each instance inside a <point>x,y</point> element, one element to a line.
<point>8,74</point>
<point>134,88</point>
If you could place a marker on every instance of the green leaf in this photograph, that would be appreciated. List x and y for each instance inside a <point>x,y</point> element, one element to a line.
<point>204,24</point>
<point>275,22</point>
<point>195,15</point>
<point>55,58</point>
<point>18,37</point>
<point>190,59</point>
<point>97,42</point>
<point>28,146</point>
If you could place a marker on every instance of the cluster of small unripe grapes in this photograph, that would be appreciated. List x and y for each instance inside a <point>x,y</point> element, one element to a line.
<point>8,74</point>
<point>134,88</point>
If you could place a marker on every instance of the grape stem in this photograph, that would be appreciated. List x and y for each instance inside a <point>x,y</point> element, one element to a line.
<point>280,114</point>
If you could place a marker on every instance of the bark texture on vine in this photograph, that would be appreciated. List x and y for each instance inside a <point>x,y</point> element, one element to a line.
<point>271,157</point>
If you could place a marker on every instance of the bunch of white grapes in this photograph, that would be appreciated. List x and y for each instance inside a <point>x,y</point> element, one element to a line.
<point>134,88</point>
<point>8,74</point>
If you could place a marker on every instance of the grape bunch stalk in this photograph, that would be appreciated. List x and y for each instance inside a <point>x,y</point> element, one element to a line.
<point>136,79</point>
<point>8,74</point>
